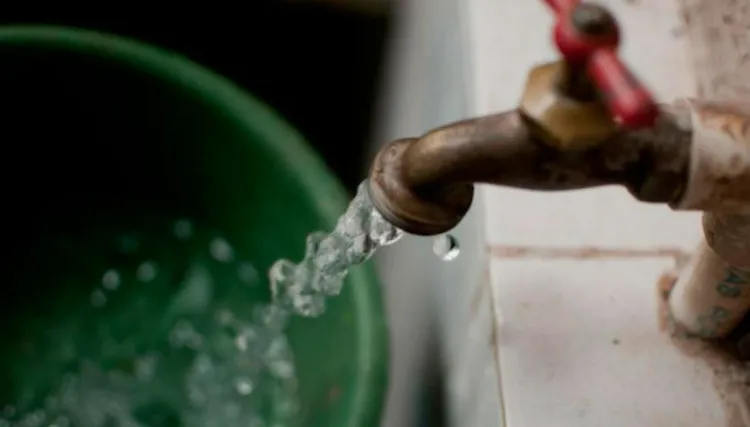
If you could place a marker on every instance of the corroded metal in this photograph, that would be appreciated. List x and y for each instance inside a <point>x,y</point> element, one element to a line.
<point>425,185</point>
<point>593,19</point>
<point>720,153</point>
<point>570,123</point>
<point>561,137</point>
<point>728,234</point>
<point>717,30</point>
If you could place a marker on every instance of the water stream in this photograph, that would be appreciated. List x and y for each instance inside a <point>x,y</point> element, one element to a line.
<point>302,288</point>
<point>235,361</point>
<point>178,307</point>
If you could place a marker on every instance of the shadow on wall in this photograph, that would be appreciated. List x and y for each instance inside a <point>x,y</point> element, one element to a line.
<point>317,65</point>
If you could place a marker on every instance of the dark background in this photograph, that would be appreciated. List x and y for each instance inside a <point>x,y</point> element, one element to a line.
<point>316,64</point>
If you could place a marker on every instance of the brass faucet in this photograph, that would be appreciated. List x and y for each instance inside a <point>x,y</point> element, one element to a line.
<point>586,121</point>
<point>583,121</point>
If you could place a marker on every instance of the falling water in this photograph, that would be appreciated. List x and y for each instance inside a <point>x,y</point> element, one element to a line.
<point>303,287</point>
<point>238,360</point>
<point>208,355</point>
<point>446,247</point>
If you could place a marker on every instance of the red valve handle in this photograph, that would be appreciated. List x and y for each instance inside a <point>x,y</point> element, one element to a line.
<point>627,100</point>
<point>561,6</point>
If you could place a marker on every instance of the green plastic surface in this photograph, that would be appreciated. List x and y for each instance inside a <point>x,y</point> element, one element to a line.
<point>104,135</point>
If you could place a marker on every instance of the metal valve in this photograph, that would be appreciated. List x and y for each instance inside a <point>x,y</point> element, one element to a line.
<point>583,99</point>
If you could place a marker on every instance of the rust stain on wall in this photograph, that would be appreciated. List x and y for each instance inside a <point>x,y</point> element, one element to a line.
<point>725,358</point>
<point>719,37</point>
<point>719,34</point>
<point>585,253</point>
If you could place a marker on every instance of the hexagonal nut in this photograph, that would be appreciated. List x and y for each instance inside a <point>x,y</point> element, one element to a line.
<point>562,121</point>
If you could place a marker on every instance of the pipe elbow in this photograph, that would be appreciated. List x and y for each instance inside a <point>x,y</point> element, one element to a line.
<point>416,210</point>
<point>425,185</point>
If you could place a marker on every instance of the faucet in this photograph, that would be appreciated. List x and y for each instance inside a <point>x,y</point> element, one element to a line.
<point>586,121</point>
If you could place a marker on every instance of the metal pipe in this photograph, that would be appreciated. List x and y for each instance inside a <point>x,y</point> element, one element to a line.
<point>425,185</point>
<point>692,155</point>
<point>719,178</point>
<point>712,295</point>
<point>696,157</point>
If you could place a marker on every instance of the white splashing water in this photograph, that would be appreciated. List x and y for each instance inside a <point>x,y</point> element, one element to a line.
<point>237,363</point>
<point>302,288</point>
<point>230,360</point>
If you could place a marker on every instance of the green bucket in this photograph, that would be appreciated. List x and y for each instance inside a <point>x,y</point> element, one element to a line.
<point>108,143</point>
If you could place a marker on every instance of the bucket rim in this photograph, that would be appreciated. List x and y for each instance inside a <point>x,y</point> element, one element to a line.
<point>307,169</point>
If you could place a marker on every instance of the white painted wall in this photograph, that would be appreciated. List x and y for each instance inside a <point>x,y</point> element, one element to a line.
<point>427,85</point>
<point>569,340</point>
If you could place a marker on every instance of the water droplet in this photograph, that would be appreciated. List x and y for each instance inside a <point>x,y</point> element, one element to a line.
<point>446,247</point>
<point>111,280</point>
<point>203,364</point>
<point>195,291</point>
<point>145,368</point>
<point>147,271</point>
<point>282,270</point>
<point>183,229</point>
<point>247,273</point>
<point>224,317</point>
<point>282,368</point>
<point>309,305</point>
<point>244,386</point>
<point>184,335</point>
<point>241,342</point>
<point>221,250</point>
<point>98,299</point>
<point>279,358</point>
<point>282,277</point>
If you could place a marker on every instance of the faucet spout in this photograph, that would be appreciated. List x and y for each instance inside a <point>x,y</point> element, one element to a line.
<point>583,121</point>
<point>425,185</point>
